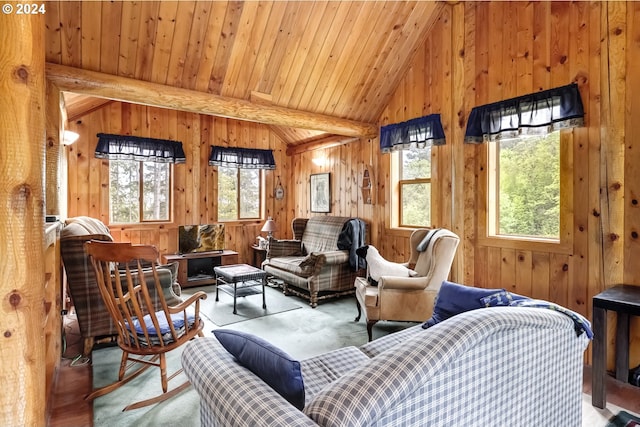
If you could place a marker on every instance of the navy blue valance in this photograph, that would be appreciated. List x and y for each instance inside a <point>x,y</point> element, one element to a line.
<point>534,114</point>
<point>415,133</point>
<point>241,158</point>
<point>127,147</point>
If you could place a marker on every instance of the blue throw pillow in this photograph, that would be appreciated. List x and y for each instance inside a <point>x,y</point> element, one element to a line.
<point>454,298</point>
<point>272,365</point>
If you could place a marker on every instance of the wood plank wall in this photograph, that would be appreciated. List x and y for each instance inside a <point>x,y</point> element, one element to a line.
<point>464,63</point>
<point>194,183</point>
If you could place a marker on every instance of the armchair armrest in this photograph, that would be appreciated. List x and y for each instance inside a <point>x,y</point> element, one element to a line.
<point>277,248</point>
<point>408,283</point>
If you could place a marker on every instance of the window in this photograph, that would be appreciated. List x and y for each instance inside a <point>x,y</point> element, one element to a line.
<point>524,187</point>
<point>239,193</point>
<point>414,187</point>
<point>139,191</point>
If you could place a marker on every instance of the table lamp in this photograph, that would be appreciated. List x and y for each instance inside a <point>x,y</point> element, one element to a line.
<point>270,226</point>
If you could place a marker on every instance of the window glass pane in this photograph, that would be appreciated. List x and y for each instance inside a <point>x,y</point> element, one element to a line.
<point>227,193</point>
<point>415,163</point>
<point>416,204</point>
<point>529,186</point>
<point>155,191</point>
<point>124,190</point>
<point>250,193</point>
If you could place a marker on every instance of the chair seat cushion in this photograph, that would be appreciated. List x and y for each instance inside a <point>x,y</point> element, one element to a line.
<point>274,366</point>
<point>165,330</point>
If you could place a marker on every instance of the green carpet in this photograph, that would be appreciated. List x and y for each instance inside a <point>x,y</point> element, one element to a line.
<point>248,307</point>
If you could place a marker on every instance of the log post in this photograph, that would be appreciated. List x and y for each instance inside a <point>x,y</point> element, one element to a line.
<point>22,142</point>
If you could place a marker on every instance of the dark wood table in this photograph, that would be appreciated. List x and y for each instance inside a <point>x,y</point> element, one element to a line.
<point>625,301</point>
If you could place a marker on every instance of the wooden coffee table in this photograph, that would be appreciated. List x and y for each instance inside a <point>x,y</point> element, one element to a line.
<point>240,280</point>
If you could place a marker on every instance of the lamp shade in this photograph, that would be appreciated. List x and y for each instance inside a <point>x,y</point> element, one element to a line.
<point>269,226</point>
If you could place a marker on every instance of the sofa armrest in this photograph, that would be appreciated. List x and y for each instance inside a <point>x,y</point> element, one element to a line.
<point>278,248</point>
<point>230,394</point>
<point>317,260</point>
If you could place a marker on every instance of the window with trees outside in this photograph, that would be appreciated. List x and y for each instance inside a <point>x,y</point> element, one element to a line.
<point>139,191</point>
<point>524,187</point>
<point>414,187</point>
<point>239,193</point>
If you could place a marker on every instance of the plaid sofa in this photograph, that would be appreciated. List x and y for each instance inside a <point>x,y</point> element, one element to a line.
<point>94,320</point>
<point>495,366</point>
<point>311,265</point>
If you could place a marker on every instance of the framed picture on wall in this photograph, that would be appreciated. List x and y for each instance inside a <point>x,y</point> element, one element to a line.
<point>320,192</point>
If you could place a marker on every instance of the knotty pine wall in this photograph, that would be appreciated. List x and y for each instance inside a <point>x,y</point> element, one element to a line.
<point>194,183</point>
<point>465,62</point>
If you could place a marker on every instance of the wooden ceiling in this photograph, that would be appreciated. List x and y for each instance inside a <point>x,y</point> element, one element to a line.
<point>341,59</point>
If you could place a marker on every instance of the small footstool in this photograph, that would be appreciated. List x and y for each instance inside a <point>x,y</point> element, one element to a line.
<point>240,280</point>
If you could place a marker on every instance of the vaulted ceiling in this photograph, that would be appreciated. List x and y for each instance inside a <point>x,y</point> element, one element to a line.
<point>338,59</point>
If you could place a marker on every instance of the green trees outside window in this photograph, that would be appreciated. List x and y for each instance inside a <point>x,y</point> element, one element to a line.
<point>415,187</point>
<point>526,188</point>
<point>139,191</point>
<point>239,193</point>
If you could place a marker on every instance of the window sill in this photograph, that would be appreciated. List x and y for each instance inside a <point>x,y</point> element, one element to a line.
<point>528,244</point>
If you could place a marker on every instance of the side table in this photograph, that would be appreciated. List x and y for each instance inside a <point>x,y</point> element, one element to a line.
<point>259,255</point>
<point>240,280</point>
<point>625,301</point>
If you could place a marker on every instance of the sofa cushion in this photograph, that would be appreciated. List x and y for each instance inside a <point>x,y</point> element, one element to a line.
<point>454,298</point>
<point>321,233</point>
<point>274,366</point>
<point>320,371</point>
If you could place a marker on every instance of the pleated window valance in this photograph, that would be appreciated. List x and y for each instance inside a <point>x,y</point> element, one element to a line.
<point>534,114</point>
<point>241,158</point>
<point>415,133</point>
<point>127,147</point>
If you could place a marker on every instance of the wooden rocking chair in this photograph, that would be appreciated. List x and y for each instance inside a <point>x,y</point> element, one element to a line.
<point>147,327</point>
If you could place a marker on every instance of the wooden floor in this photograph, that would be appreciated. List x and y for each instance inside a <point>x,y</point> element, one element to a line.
<point>69,409</point>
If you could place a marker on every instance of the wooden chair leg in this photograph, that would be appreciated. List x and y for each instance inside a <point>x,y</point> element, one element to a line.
<point>87,346</point>
<point>359,310</point>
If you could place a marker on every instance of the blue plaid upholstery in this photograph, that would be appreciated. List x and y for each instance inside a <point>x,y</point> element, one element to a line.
<point>493,366</point>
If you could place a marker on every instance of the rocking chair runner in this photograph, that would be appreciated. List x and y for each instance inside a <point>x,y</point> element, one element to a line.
<point>147,327</point>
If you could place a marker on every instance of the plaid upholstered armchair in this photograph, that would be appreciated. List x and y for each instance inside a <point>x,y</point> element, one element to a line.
<point>94,320</point>
<point>320,261</point>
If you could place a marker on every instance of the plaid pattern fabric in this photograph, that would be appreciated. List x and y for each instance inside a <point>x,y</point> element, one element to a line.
<point>321,233</point>
<point>93,318</point>
<point>494,366</point>
<point>375,347</point>
<point>320,268</point>
<point>475,369</point>
<point>322,370</point>
<point>231,395</point>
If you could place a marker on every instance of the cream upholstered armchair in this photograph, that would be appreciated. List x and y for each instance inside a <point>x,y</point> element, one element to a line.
<point>410,299</point>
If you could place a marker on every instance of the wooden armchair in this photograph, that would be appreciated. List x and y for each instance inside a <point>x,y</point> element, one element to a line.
<point>145,332</point>
<point>410,299</point>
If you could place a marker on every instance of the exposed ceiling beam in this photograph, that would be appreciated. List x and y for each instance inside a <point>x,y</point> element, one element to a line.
<point>325,142</point>
<point>134,91</point>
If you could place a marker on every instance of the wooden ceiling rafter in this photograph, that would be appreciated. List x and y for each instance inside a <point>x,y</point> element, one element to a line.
<point>125,89</point>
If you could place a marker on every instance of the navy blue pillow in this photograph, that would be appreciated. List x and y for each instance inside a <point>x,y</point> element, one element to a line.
<point>454,298</point>
<point>272,365</point>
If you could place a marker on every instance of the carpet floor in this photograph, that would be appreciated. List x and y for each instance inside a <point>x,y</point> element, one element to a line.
<point>308,332</point>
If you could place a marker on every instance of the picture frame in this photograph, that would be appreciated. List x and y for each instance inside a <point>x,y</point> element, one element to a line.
<point>320,192</point>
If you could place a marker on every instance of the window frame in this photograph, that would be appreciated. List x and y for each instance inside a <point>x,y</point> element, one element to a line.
<point>261,197</point>
<point>141,195</point>
<point>487,203</point>
<point>395,158</point>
